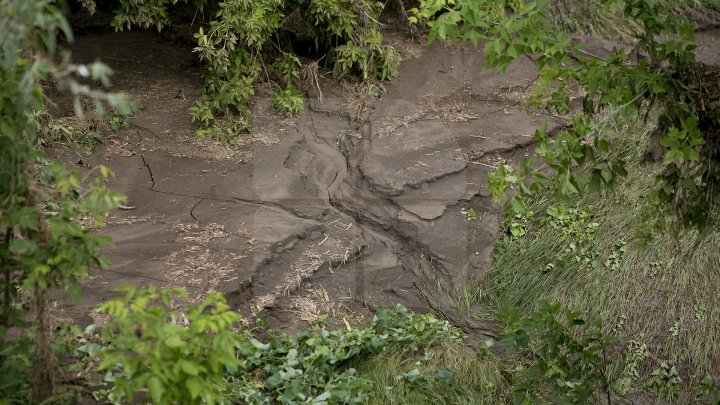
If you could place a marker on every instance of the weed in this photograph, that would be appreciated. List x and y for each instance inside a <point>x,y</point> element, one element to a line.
<point>635,353</point>
<point>117,122</point>
<point>665,380</point>
<point>518,226</point>
<point>569,355</point>
<point>289,101</point>
<point>469,213</point>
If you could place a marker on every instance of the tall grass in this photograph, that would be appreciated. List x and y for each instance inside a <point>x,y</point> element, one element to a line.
<point>590,17</point>
<point>665,292</point>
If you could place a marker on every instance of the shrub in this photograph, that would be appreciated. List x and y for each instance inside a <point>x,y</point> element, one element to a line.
<point>153,350</point>
<point>43,246</point>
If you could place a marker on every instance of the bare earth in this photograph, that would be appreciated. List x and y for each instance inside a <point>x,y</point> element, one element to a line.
<point>319,215</point>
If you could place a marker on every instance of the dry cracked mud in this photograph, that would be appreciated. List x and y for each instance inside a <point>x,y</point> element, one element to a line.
<point>319,215</point>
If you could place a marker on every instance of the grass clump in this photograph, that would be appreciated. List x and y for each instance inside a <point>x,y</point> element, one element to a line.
<point>442,373</point>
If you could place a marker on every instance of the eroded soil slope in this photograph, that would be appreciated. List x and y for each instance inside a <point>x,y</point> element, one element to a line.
<point>323,214</point>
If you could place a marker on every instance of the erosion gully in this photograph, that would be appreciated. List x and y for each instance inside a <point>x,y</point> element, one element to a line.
<point>334,213</point>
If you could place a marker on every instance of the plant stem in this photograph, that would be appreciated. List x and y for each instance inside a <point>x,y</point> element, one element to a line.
<point>44,365</point>
<point>7,272</point>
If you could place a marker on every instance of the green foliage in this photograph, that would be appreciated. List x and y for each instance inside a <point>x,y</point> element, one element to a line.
<point>665,380</point>
<point>635,353</point>
<point>666,77</point>
<point>144,14</point>
<point>569,356</point>
<point>154,351</point>
<point>672,273</point>
<point>85,140</point>
<point>81,133</point>
<point>41,252</point>
<point>370,60</point>
<point>289,102</point>
<point>469,213</point>
<point>518,226</point>
<point>117,122</point>
<point>288,66</point>
<point>186,354</point>
<point>250,41</point>
<point>314,366</point>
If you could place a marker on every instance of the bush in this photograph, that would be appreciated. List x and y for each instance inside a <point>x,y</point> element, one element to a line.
<point>43,245</point>
<point>661,75</point>
<point>245,34</point>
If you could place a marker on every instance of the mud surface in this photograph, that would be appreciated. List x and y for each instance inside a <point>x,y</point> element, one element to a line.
<point>316,215</point>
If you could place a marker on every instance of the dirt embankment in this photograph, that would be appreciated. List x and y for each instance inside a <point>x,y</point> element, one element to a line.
<point>316,215</point>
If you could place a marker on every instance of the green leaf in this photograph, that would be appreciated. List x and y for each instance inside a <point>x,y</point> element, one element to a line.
<point>513,51</point>
<point>603,146</point>
<point>174,341</point>
<point>194,386</point>
<point>259,345</point>
<point>674,155</point>
<point>189,367</point>
<point>517,205</point>
<point>156,389</point>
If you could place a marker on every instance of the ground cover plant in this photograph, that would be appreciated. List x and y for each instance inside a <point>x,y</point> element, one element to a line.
<point>158,349</point>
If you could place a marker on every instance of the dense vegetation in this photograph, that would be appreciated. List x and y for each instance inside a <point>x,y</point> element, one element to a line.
<point>660,306</point>
<point>563,243</point>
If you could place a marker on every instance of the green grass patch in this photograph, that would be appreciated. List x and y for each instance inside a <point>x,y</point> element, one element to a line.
<point>445,373</point>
